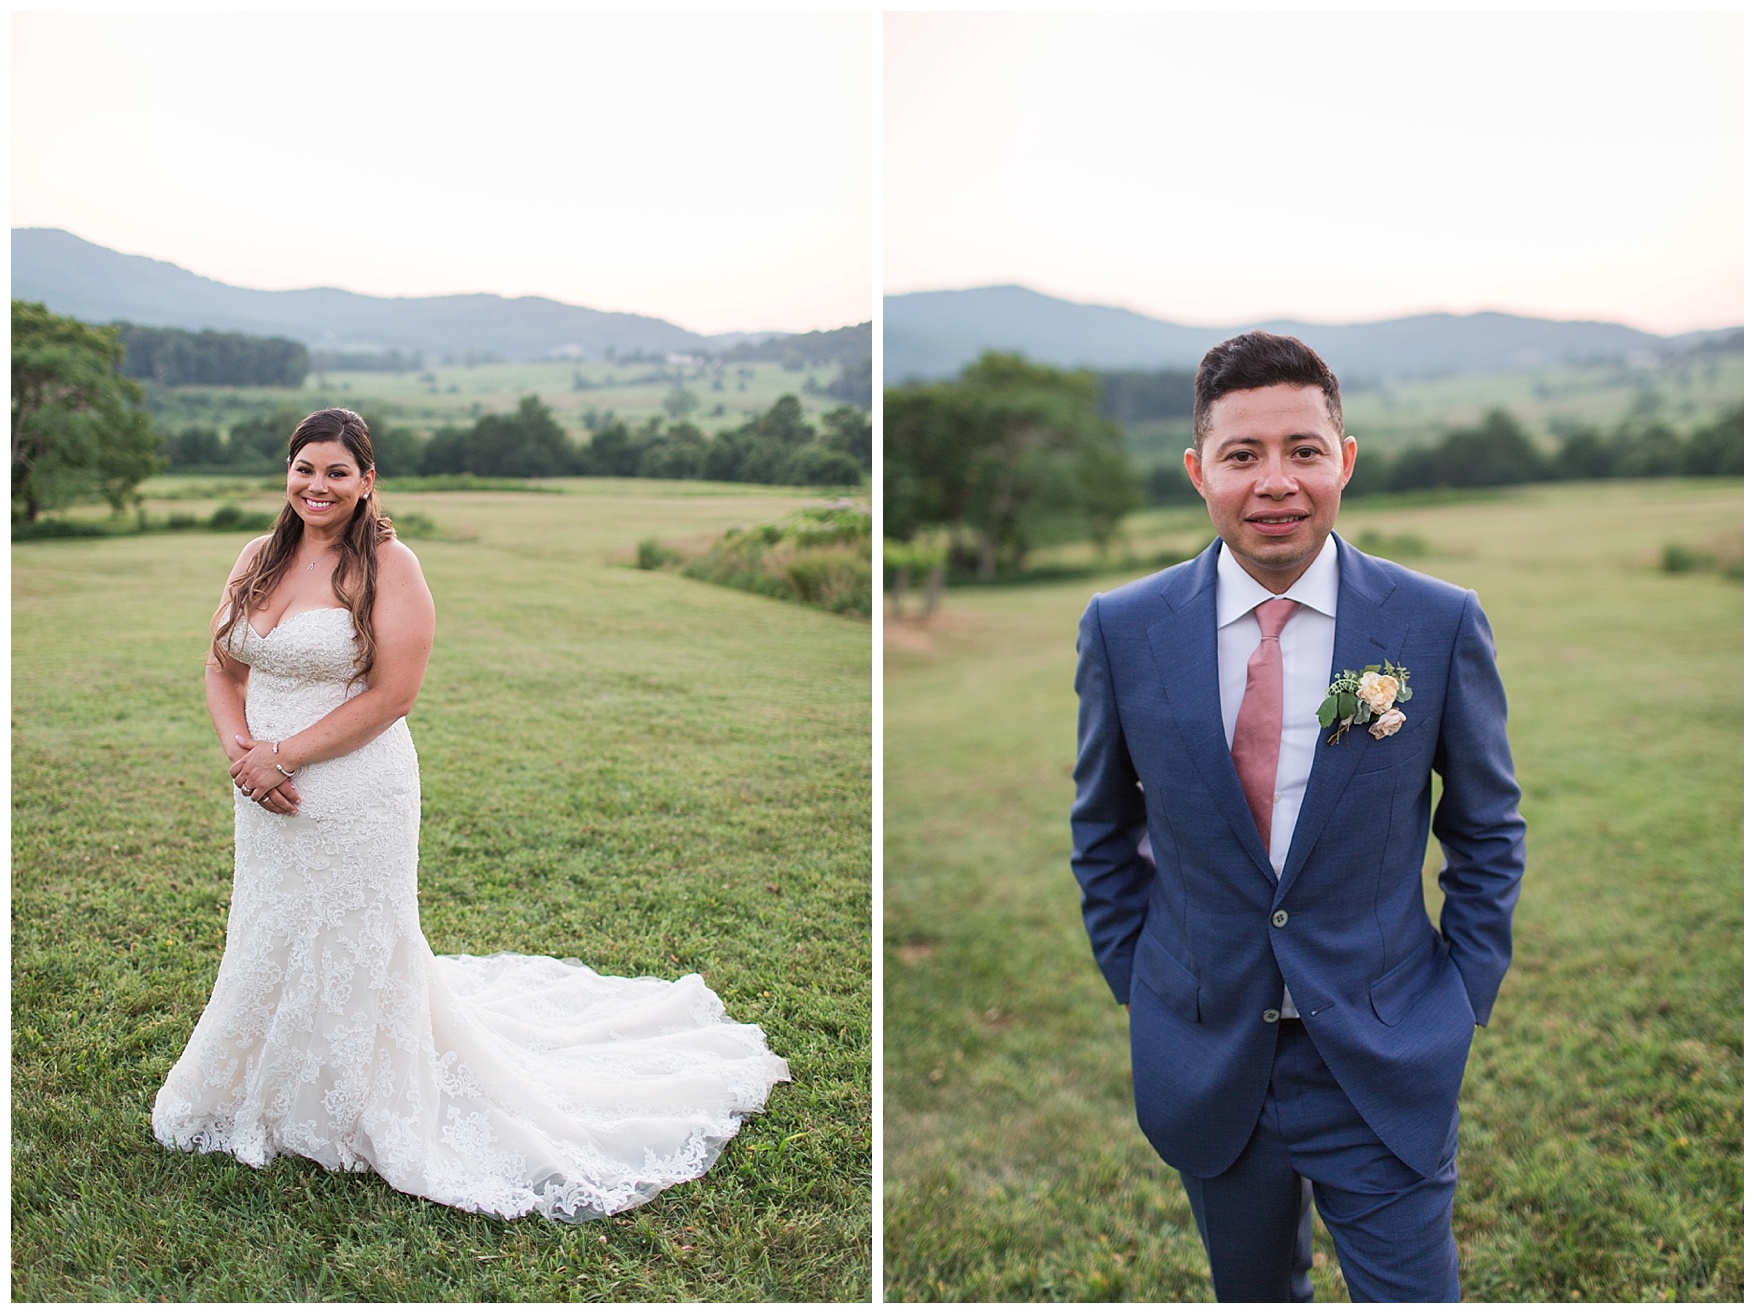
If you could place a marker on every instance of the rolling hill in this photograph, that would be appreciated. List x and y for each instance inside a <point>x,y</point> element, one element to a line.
<point>79,278</point>
<point>930,335</point>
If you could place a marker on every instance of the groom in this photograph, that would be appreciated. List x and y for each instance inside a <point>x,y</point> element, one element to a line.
<point>1252,879</point>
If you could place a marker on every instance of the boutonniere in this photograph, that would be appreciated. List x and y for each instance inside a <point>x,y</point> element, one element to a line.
<point>1368,698</point>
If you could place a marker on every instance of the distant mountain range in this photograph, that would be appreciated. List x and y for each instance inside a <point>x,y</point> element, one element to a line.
<point>90,282</point>
<point>932,335</point>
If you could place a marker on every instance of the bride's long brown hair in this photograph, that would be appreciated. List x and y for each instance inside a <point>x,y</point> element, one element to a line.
<point>356,571</point>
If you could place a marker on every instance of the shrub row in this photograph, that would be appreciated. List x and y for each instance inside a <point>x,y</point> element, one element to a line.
<point>821,556</point>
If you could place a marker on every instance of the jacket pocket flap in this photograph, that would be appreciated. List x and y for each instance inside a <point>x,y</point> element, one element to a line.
<point>1157,969</point>
<point>1398,989</point>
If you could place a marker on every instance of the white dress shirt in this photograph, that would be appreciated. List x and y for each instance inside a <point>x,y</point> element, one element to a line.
<point>1307,649</point>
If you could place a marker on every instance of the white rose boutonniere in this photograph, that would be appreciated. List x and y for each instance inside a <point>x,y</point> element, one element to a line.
<point>1387,724</point>
<point>1367,698</point>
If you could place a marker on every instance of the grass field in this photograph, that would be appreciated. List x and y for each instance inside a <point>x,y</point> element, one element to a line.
<point>1601,1148</point>
<point>456,394</point>
<point>651,773</point>
<point>1682,393</point>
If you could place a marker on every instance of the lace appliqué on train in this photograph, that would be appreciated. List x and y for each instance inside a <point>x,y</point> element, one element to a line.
<point>505,1084</point>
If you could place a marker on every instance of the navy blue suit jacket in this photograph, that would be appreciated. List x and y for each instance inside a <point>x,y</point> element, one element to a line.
<point>1179,896</point>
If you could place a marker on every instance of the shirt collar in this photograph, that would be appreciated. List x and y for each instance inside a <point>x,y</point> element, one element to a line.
<point>1318,588</point>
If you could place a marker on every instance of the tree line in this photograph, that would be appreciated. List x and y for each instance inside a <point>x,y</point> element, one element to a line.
<point>172,356</point>
<point>1499,452</point>
<point>1495,452</point>
<point>80,429</point>
<point>778,446</point>
<point>1011,455</point>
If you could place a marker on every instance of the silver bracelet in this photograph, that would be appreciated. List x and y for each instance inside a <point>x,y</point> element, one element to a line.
<point>283,771</point>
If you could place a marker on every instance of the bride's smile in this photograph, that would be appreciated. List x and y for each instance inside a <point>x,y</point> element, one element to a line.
<point>324,484</point>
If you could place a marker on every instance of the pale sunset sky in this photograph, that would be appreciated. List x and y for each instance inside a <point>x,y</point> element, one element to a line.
<point>1228,168</point>
<point>712,169</point>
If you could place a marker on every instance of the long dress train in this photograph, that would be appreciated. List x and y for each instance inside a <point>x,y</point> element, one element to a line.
<point>505,1084</point>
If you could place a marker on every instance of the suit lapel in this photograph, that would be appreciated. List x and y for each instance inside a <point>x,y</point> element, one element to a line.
<point>1366,632</point>
<point>1185,647</point>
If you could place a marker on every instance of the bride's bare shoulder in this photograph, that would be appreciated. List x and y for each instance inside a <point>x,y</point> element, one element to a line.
<point>397,559</point>
<point>399,572</point>
<point>246,557</point>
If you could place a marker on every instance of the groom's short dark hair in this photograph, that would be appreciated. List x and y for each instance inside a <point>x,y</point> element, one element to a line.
<point>1259,359</point>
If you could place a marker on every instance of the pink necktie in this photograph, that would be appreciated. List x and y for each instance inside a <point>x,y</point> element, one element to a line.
<point>1255,742</point>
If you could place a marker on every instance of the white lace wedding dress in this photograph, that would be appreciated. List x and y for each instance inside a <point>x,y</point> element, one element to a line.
<point>504,1085</point>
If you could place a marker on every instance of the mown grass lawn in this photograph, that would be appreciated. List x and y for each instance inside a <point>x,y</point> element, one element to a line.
<point>1601,1147</point>
<point>650,773</point>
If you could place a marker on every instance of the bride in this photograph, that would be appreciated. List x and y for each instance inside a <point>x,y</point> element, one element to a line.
<point>504,1085</point>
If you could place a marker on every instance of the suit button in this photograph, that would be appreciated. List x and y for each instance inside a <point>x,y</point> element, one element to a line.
<point>1280,918</point>
<point>1271,1015</point>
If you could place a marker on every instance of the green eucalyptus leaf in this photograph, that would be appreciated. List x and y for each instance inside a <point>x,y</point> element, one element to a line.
<point>1345,705</point>
<point>1328,711</point>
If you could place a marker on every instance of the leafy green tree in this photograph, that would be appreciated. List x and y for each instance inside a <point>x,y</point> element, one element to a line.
<point>1497,452</point>
<point>757,451</point>
<point>815,464</point>
<point>853,385</point>
<point>528,443</point>
<point>196,445</point>
<point>397,451</point>
<point>679,402</point>
<point>1415,468</point>
<point>1371,472</point>
<point>1012,452</point>
<point>618,449</point>
<point>680,454</point>
<point>848,430</point>
<point>1716,448</point>
<point>611,450</point>
<point>261,440</point>
<point>78,426</point>
<point>746,456</point>
<point>1647,450</point>
<point>1582,455</point>
<point>784,422</point>
<point>446,452</point>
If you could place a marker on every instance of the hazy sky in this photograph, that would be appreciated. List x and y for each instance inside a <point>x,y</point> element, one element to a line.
<point>1228,168</point>
<point>712,169</point>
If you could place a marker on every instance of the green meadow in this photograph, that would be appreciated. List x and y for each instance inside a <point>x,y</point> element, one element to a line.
<point>1682,393</point>
<point>1601,1152</point>
<point>653,774</point>
<point>440,395</point>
